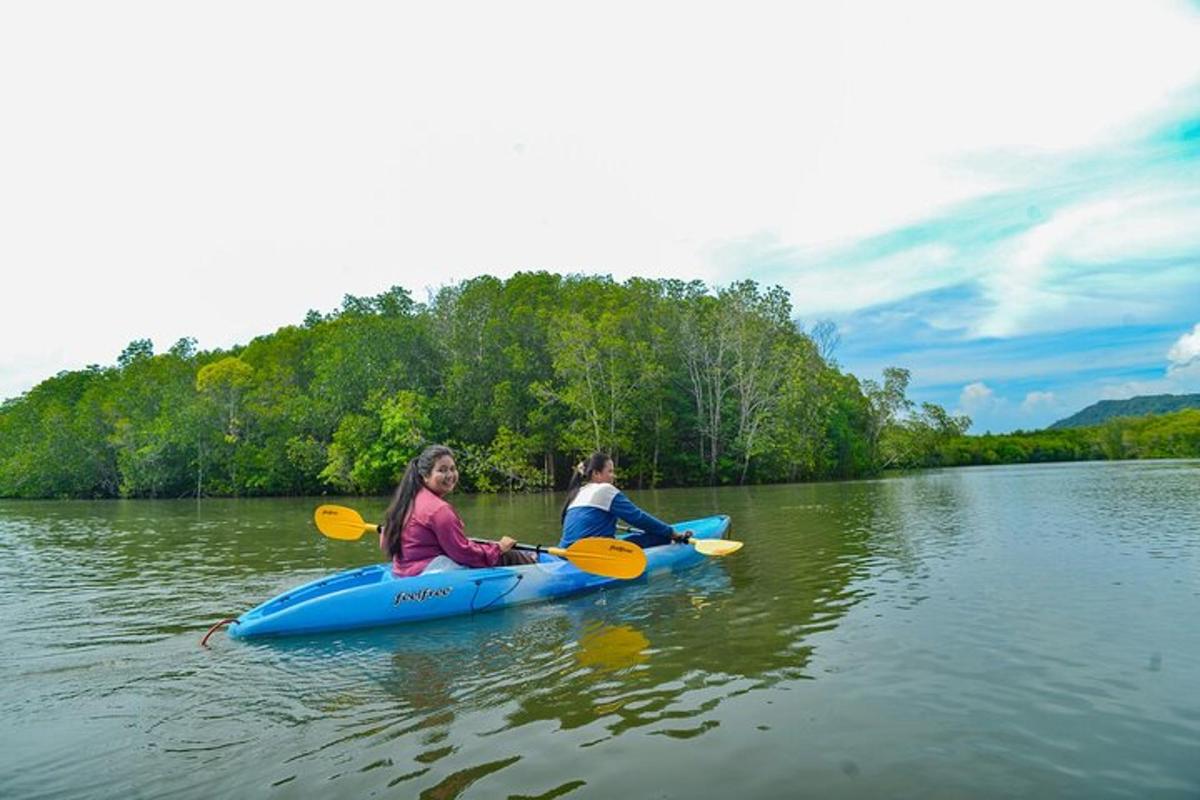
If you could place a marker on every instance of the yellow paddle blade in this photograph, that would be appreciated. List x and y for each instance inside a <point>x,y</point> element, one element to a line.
<point>716,547</point>
<point>339,522</point>
<point>612,558</point>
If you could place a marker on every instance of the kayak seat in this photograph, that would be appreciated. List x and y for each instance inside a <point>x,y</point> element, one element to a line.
<point>441,564</point>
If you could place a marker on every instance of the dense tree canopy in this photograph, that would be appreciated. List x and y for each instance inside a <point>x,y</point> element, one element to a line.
<point>680,383</point>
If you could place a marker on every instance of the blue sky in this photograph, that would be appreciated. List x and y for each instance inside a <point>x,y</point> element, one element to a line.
<point>1025,305</point>
<point>1003,197</point>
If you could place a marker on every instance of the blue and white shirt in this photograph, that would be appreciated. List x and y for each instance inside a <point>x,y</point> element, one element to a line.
<point>596,509</point>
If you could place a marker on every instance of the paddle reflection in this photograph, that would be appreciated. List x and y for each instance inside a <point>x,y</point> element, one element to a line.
<point>608,648</point>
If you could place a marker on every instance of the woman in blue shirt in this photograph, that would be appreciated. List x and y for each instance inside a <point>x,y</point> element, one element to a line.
<point>594,505</point>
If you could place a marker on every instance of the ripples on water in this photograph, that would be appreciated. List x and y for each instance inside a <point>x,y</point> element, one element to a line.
<point>1024,631</point>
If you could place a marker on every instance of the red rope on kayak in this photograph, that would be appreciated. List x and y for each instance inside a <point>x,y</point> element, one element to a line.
<point>212,630</point>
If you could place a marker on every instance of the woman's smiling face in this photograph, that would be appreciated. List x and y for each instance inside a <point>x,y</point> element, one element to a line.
<point>443,477</point>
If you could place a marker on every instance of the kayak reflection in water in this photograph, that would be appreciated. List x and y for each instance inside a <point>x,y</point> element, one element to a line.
<point>422,532</point>
<point>594,505</point>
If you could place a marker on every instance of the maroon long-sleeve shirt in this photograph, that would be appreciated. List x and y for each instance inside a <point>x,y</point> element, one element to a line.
<point>434,529</point>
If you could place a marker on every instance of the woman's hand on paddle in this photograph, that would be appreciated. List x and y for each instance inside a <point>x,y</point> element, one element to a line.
<point>506,543</point>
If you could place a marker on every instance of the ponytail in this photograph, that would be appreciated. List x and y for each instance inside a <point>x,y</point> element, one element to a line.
<point>410,484</point>
<point>582,474</point>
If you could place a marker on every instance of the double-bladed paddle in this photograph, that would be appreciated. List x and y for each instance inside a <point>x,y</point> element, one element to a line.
<point>708,547</point>
<point>612,558</point>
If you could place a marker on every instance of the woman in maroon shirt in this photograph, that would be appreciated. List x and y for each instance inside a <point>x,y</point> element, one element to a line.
<point>420,525</point>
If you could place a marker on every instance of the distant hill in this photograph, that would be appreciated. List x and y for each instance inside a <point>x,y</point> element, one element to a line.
<point>1098,413</point>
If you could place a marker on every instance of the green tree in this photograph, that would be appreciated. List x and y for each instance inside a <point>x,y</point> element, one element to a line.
<point>369,452</point>
<point>223,386</point>
<point>887,403</point>
<point>682,383</point>
<point>706,349</point>
<point>761,334</point>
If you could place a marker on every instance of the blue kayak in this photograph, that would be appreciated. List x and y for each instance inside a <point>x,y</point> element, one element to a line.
<point>371,596</point>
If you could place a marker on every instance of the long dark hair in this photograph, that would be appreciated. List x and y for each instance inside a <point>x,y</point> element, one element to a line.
<point>582,474</point>
<point>397,513</point>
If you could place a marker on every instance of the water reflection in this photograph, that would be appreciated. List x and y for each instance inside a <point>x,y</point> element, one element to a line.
<point>1033,617</point>
<point>659,656</point>
<point>608,648</point>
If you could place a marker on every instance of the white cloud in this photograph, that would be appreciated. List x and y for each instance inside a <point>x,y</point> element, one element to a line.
<point>944,78</point>
<point>833,289</point>
<point>1179,380</point>
<point>1157,223</point>
<point>1182,375</point>
<point>1038,401</point>
<point>1185,351</point>
<point>172,174</point>
<point>1059,274</point>
<point>976,397</point>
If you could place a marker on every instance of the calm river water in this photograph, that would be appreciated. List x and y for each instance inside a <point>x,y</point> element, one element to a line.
<point>1029,631</point>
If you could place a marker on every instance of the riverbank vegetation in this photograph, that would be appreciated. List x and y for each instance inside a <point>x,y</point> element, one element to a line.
<point>683,384</point>
<point>1173,435</point>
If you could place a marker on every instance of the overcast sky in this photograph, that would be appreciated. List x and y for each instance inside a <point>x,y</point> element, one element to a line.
<point>1002,197</point>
